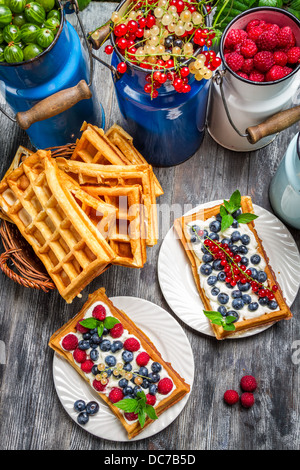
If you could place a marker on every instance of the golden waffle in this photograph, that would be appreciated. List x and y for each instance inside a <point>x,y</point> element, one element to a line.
<point>128,236</point>
<point>118,176</point>
<point>71,248</point>
<point>124,142</point>
<point>283,312</point>
<point>179,387</point>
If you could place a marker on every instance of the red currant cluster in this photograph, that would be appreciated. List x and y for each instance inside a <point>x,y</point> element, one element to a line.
<point>163,36</point>
<point>235,271</point>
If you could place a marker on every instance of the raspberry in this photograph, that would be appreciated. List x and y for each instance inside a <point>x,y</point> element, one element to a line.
<point>80,328</point>
<point>256,76</point>
<point>70,342</point>
<point>231,397</point>
<point>99,312</point>
<point>87,366</point>
<point>252,24</point>
<point>233,38</point>
<point>151,399</point>
<point>243,75</point>
<point>248,383</point>
<point>267,41</point>
<point>263,61</point>
<point>293,55</point>
<point>287,71</point>
<point>79,355</point>
<point>115,395</point>
<point>274,27</point>
<point>284,37</point>
<point>131,416</point>
<point>117,330</point>
<point>248,48</point>
<point>132,344</point>
<point>235,61</point>
<point>247,400</point>
<point>280,58</point>
<point>142,359</point>
<point>254,33</point>
<point>248,66</point>
<point>98,385</point>
<point>275,73</point>
<point>164,386</point>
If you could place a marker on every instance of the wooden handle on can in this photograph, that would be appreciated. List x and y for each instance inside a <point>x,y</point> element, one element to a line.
<point>99,37</point>
<point>274,124</point>
<point>54,105</point>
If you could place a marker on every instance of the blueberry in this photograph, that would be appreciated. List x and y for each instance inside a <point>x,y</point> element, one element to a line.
<point>92,408</point>
<point>244,260</point>
<point>255,259</point>
<point>219,217</point>
<point>223,298</point>
<point>111,361</point>
<point>235,224</point>
<point>86,335</point>
<point>152,389</point>
<point>95,369</point>
<point>225,241</point>
<point>215,291</point>
<point>221,276</point>
<point>123,383</point>
<point>263,301</point>
<point>243,250</point>
<point>253,306</point>
<point>108,371</point>
<point>128,390</point>
<point>145,384</point>
<point>254,273</point>
<point>232,313</point>
<point>273,305</point>
<point>82,418</point>
<point>105,345</point>
<point>217,265</point>
<point>207,258</point>
<point>229,285</point>
<point>211,280</point>
<point>234,249</point>
<point>194,239</point>
<point>243,287</point>
<point>235,236</point>
<point>95,338</point>
<point>105,331</point>
<point>215,226</point>
<point>156,367</point>
<point>214,236</point>
<point>261,276</point>
<point>143,371</point>
<point>84,344</point>
<point>93,345</point>
<point>237,304</point>
<point>116,346</point>
<point>204,250</point>
<point>236,294</point>
<point>136,390</point>
<point>206,269</point>
<point>94,355</point>
<point>79,405</point>
<point>127,356</point>
<point>194,228</point>
<point>245,239</point>
<point>127,367</point>
<point>222,310</point>
<point>154,377</point>
<point>246,299</point>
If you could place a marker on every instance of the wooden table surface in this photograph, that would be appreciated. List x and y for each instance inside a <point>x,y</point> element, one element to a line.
<point>31,415</point>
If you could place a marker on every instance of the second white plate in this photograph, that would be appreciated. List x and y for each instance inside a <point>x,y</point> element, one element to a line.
<point>178,285</point>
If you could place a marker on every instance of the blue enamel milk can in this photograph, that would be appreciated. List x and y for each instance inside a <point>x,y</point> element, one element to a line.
<point>52,94</point>
<point>284,190</point>
<point>166,130</point>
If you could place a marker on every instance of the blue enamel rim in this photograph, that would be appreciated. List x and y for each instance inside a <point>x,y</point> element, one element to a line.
<point>245,13</point>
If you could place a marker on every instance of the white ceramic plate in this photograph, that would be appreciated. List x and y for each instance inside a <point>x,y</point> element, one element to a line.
<point>168,337</point>
<point>177,282</point>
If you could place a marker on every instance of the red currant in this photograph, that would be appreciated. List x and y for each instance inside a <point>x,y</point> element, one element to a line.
<point>151,20</point>
<point>122,43</point>
<point>120,30</point>
<point>108,49</point>
<point>132,26</point>
<point>148,88</point>
<point>184,72</point>
<point>154,94</point>
<point>121,67</point>
<point>142,22</point>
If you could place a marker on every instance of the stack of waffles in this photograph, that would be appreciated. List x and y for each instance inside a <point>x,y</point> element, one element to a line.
<point>84,213</point>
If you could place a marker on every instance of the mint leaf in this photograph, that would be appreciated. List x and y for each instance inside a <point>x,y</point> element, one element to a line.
<point>217,319</point>
<point>230,319</point>
<point>90,323</point>
<point>229,327</point>
<point>235,200</point>
<point>109,322</point>
<point>228,207</point>
<point>100,330</point>
<point>246,217</point>
<point>223,211</point>
<point>142,417</point>
<point>212,315</point>
<point>227,220</point>
<point>128,405</point>
<point>229,9</point>
<point>151,412</point>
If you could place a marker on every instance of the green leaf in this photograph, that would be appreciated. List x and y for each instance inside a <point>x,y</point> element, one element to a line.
<point>142,417</point>
<point>151,412</point>
<point>230,319</point>
<point>295,12</point>
<point>229,9</point>
<point>235,200</point>
<point>269,3</point>
<point>109,322</point>
<point>100,330</point>
<point>223,211</point>
<point>229,327</point>
<point>90,323</point>
<point>128,405</point>
<point>246,217</point>
<point>228,207</point>
<point>227,220</point>
<point>212,315</point>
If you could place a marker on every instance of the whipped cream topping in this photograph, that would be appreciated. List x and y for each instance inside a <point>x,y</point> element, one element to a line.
<point>252,249</point>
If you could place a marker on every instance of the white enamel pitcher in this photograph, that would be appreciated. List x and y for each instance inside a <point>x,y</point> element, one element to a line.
<point>244,116</point>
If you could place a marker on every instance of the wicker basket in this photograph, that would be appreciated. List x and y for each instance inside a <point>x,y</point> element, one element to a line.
<point>18,261</point>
